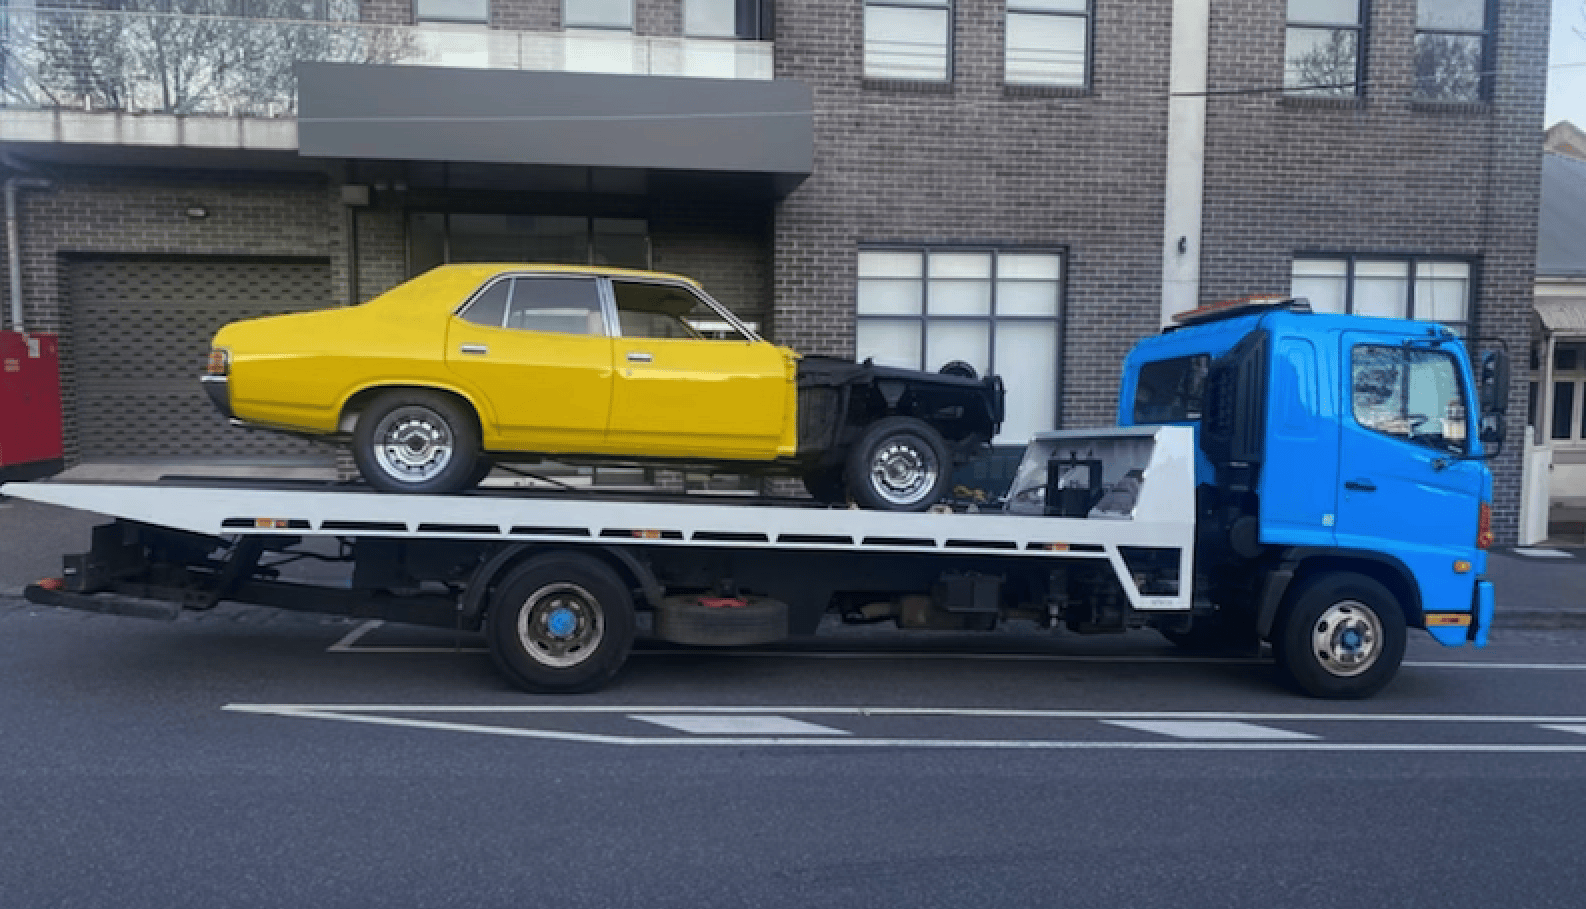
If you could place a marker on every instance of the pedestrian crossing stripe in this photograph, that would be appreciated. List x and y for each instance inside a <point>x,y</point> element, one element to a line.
<point>704,724</point>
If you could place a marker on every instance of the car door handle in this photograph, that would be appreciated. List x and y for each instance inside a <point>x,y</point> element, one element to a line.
<point>1361,485</point>
<point>638,356</point>
<point>474,349</point>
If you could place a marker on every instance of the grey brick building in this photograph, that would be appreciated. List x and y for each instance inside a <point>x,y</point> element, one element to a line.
<point>1027,184</point>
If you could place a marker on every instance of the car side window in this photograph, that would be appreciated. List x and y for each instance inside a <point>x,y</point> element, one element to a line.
<point>490,307</point>
<point>669,311</point>
<point>567,305</point>
<point>1409,393</point>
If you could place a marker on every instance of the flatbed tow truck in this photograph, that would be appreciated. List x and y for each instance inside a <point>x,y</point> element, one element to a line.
<point>1275,478</point>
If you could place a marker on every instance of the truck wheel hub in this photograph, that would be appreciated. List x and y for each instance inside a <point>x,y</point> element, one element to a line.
<point>561,625</point>
<point>1347,638</point>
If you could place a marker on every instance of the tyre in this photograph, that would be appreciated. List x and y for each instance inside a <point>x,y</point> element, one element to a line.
<point>1342,635</point>
<point>482,468</point>
<point>416,441</point>
<point>560,623</point>
<point>899,464</point>
<point>827,484</point>
<point>694,621</point>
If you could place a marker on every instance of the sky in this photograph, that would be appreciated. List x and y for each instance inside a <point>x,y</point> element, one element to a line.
<point>1566,83</point>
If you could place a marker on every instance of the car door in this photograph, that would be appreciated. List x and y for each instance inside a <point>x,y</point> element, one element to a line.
<point>535,348</point>
<point>690,383</point>
<point>1404,424</point>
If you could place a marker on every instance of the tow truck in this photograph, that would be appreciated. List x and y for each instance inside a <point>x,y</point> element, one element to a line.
<point>1309,480</point>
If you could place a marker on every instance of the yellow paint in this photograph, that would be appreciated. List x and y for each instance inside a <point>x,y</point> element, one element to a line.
<point>540,392</point>
<point>1446,619</point>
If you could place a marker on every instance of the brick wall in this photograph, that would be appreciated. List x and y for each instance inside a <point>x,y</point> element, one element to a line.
<point>1382,175</point>
<point>978,164</point>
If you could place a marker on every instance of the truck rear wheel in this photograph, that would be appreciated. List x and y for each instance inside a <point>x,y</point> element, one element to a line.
<point>899,464</point>
<point>560,622</point>
<point>1341,636</point>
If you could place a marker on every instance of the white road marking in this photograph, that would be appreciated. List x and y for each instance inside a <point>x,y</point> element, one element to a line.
<point>1210,729</point>
<point>1543,553</point>
<point>350,638</point>
<point>746,724</point>
<point>700,741</point>
<point>1578,729</point>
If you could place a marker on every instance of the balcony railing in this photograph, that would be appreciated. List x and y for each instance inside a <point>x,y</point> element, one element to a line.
<point>186,64</point>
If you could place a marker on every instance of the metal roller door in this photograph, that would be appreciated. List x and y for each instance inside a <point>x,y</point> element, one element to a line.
<point>139,339</point>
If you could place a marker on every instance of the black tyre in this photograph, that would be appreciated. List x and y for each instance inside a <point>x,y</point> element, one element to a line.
<point>827,484</point>
<point>1341,635</point>
<point>560,623</point>
<point>899,464</point>
<point>416,441</point>
<point>482,468</point>
<point>689,620</point>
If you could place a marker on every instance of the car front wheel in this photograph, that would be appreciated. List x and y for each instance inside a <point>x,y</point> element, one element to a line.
<point>416,442</point>
<point>899,464</point>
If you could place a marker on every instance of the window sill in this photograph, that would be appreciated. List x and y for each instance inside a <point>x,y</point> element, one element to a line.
<point>1018,90</point>
<point>909,85</point>
<point>1479,108</point>
<point>1303,102</point>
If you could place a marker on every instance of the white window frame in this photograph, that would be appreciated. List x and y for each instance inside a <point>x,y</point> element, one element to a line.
<point>1000,284</point>
<point>874,57</point>
<point>421,17</point>
<point>1051,10</point>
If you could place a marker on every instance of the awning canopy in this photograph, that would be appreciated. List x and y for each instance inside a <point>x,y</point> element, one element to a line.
<point>1562,315</point>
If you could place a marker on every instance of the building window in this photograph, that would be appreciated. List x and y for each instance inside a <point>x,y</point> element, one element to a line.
<point>605,14</point>
<point>1451,50</point>
<point>999,311</point>
<point>1322,52</point>
<point>473,12</point>
<point>739,19</point>
<point>435,239</point>
<point>1046,42</point>
<point>1564,424</point>
<point>1430,289</point>
<point>908,39</point>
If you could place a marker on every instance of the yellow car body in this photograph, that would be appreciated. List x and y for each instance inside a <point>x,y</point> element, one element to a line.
<point>557,380</point>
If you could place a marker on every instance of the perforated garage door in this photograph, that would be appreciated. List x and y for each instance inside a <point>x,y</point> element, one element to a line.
<point>139,338</point>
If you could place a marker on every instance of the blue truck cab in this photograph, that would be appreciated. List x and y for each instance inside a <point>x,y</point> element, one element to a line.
<point>1342,491</point>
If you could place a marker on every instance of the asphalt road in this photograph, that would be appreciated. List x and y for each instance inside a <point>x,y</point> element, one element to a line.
<point>250,758</point>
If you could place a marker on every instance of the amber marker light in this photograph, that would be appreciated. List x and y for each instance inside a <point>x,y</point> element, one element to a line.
<point>1461,566</point>
<point>270,523</point>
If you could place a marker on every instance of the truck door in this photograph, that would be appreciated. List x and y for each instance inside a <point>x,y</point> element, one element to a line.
<point>1404,421</point>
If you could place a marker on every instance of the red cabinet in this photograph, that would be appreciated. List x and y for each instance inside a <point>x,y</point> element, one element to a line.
<point>30,405</point>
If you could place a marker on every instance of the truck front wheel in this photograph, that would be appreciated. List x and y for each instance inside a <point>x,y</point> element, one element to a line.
<point>1342,636</point>
<point>560,622</point>
<point>899,464</point>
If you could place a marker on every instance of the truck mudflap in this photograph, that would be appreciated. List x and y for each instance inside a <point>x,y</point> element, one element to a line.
<point>1455,629</point>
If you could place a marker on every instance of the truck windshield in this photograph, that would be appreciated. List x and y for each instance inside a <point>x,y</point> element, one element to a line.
<point>1170,391</point>
<point>1409,393</point>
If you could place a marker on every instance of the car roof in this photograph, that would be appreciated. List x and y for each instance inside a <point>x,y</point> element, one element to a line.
<point>483,270</point>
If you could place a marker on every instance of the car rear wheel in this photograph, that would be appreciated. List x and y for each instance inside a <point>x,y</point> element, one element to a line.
<point>416,442</point>
<point>899,464</point>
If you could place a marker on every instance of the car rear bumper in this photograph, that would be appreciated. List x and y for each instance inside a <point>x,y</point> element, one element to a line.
<point>219,390</point>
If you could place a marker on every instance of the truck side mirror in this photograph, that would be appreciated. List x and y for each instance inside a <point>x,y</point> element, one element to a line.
<point>1492,382</point>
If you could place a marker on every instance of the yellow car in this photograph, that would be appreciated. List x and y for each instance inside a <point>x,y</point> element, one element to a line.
<point>434,380</point>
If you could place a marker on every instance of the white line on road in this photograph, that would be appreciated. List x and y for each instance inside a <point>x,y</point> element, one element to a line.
<point>932,743</point>
<point>1210,729</point>
<point>718,724</point>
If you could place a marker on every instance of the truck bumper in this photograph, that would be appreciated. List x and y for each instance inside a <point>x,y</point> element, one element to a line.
<point>1455,629</point>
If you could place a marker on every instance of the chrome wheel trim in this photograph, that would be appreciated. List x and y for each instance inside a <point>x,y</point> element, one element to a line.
<point>413,444</point>
<point>902,472</point>
<point>1347,638</point>
<point>561,625</point>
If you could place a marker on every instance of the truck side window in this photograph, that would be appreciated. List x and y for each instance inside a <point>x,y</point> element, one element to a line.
<point>1409,393</point>
<point>1170,391</point>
